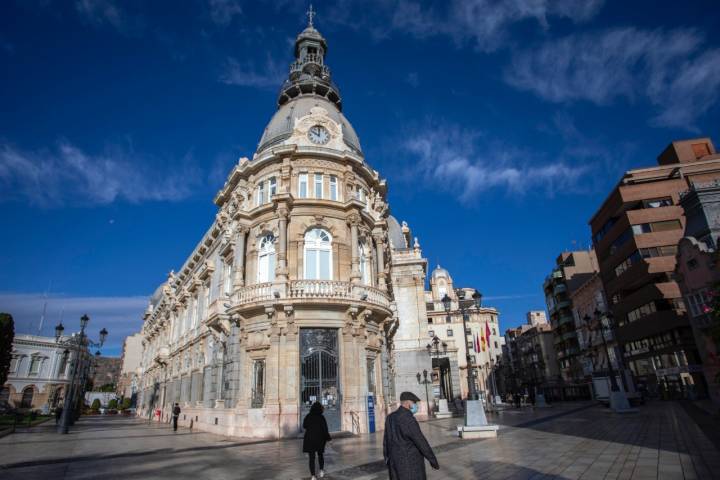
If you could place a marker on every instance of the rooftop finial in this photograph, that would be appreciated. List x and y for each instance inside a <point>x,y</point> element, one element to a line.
<point>310,14</point>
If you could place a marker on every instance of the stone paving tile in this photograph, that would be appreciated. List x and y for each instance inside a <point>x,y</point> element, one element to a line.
<point>562,443</point>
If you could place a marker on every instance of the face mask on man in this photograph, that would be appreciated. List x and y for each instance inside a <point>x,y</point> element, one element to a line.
<point>414,408</point>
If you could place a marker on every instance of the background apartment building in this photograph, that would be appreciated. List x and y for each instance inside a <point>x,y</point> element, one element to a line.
<point>572,270</point>
<point>635,234</point>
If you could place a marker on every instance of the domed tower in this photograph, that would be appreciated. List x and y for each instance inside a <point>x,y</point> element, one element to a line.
<point>286,300</point>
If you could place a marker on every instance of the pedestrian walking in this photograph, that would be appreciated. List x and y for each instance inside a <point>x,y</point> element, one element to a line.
<point>404,446</point>
<point>175,415</point>
<point>316,435</point>
<point>58,414</point>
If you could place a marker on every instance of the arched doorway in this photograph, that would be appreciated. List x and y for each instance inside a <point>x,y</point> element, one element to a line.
<point>27,397</point>
<point>320,380</point>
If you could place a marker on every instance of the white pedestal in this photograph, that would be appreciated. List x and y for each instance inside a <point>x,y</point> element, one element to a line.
<point>540,401</point>
<point>498,400</point>
<point>443,410</point>
<point>476,424</point>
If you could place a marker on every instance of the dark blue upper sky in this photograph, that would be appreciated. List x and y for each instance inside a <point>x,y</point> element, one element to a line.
<point>500,125</point>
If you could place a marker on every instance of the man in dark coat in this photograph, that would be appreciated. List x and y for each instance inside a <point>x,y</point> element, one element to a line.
<point>404,446</point>
<point>175,415</point>
<point>316,435</point>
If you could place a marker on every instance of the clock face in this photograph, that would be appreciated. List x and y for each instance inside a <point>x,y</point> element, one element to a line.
<point>318,135</point>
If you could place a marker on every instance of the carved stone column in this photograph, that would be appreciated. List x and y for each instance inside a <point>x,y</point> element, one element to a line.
<point>380,246</point>
<point>281,271</point>
<point>239,258</point>
<point>354,221</point>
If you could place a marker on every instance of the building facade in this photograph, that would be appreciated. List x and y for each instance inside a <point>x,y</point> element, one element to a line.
<point>39,374</point>
<point>636,233</point>
<point>572,270</point>
<point>539,368</point>
<point>303,289</point>
<point>449,361</point>
<point>130,367</point>
<point>105,372</point>
<point>698,275</point>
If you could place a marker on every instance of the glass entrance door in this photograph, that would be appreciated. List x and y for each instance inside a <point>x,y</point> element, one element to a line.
<point>320,380</point>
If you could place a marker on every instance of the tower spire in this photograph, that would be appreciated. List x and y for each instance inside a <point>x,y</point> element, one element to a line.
<point>310,14</point>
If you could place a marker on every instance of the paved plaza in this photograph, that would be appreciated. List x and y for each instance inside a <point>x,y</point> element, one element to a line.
<point>570,441</point>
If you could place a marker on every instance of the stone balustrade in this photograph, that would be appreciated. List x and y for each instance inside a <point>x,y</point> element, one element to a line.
<point>313,290</point>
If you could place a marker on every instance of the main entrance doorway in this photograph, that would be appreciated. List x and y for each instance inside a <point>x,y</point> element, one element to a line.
<point>320,380</point>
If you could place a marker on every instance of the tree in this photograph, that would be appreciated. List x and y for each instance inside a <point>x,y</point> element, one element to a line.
<point>126,403</point>
<point>113,404</point>
<point>95,405</point>
<point>7,336</point>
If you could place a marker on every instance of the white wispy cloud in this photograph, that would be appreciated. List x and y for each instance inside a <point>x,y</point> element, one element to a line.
<point>110,12</point>
<point>67,174</point>
<point>462,161</point>
<point>668,69</point>
<point>483,23</point>
<point>121,316</point>
<point>223,11</point>
<point>248,74</point>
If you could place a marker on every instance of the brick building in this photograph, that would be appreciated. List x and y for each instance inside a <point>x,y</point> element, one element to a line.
<point>635,234</point>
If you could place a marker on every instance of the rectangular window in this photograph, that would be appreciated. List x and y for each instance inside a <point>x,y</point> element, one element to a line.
<point>260,196</point>
<point>361,195</point>
<point>34,365</point>
<point>470,345</point>
<point>641,228</point>
<point>333,188</point>
<point>272,188</point>
<point>371,375</point>
<point>14,364</point>
<point>258,384</point>
<point>196,311</point>
<point>430,321</point>
<point>431,333</point>
<point>227,279</point>
<point>666,225</point>
<point>657,202</point>
<point>318,185</point>
<point>303,185</point>
<point>325,265</point>
<point>623,266</point>
<point>642,311</point>
<point>206,299</point>
<point>449,332</point>
<point>664,251</point>
<point>700,150</point>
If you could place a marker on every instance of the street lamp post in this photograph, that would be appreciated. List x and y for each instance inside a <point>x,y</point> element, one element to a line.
<point>618,397</point>
<point>476,424</point>
<point>76,344</point>
<point>434,352</point>
<point>425,382</point>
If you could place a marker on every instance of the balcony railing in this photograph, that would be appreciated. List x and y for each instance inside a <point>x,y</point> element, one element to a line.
<point>319,288</point>
<point>313,290</point>
<point>258,292</point>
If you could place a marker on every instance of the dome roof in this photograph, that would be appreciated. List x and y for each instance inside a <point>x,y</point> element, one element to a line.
<point>395,233</point>
<point>440,272</point>
<point>282,123</point>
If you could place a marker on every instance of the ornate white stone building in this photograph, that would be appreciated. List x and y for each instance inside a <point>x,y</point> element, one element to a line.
<point>303,289</point>
<point>481,340</point>
<point>39,373</point>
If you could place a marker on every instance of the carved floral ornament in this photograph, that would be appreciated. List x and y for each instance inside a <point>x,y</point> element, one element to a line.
<point>317,116</point>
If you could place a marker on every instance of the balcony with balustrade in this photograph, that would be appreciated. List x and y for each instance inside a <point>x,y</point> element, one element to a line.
<point>312,292</point>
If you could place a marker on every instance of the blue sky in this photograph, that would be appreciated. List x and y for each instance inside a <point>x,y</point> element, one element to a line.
<point>500,126</point>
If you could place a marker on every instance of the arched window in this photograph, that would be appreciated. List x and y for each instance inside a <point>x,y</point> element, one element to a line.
<point>365,269</point>
<point>27,397</point>
<point>266,259</point>
<point>318,255</point>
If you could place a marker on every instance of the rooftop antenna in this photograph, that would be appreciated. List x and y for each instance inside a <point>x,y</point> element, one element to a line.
<point>310,14</point>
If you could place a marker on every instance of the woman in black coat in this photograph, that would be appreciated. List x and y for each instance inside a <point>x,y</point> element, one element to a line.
<point>316,434</point>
